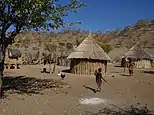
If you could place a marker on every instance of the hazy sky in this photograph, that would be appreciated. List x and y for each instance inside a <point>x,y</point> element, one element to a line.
<point>111,14</point>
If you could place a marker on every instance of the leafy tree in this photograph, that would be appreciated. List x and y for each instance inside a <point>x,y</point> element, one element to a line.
<point>106,47</point>
<point>38,15</point>
<point>69,46</point>
<point>77,41</point>
<point>61,44</point>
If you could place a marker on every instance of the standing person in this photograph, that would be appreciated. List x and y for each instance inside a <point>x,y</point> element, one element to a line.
<point>124,63</point>
<point>131,67</point>
<point>99,78</point>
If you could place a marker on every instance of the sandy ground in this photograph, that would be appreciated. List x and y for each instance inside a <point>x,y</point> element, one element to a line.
<point>120,90</point>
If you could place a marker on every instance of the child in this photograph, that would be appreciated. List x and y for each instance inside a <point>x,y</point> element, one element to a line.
<point>130,67</point>
<point>99,78</point>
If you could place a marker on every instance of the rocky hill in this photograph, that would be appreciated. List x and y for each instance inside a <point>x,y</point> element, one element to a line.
<point>32,44</point>
<point>142,31</point>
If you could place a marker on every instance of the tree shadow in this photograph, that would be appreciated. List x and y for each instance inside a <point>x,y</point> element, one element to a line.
<point>136,109</point>
<point>148,72</point>
<point>28,85</point>
<point>92,89</point>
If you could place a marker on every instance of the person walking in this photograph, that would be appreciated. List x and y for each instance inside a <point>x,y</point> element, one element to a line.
<point>99,78</point>
<point>131,67</point>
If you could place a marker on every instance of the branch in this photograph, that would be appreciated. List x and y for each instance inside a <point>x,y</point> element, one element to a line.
<point>10,38</point>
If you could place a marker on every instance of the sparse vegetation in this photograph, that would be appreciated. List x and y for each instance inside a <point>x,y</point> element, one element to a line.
<point>69,46</point>
<point>106,47</point>
<point>50,47</point>
<point>64,40</point>
<point>129,110</point>
<point>36,15</point>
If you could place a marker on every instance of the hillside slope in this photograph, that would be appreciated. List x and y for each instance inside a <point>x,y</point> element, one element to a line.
<point>32,44</point>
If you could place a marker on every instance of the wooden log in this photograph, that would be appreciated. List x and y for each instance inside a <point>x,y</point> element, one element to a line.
<point>81,66</point>
<point>75,66</point>
<point>105,67</point>
<point>78,65</point>
<point>85,67</point>
<point>89,67</point>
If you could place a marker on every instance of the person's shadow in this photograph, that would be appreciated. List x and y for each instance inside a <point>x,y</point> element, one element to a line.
<point>92,89</point>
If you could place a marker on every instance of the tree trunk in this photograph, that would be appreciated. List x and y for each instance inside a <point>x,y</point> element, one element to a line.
<point>2,59</point>
<point>54,67</point>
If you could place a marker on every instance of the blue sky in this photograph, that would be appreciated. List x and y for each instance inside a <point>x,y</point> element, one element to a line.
<point>107,15</point>
<point>104,15</point>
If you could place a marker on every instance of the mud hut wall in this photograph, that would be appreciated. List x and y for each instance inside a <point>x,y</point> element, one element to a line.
<point>12,61</point>
<point>143,64</point>
<point>63,61</point>
<point>85,67</point>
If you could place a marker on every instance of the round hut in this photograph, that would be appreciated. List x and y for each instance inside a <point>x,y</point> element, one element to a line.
<point>150,51</point>
<point>13,58</point>
<point>117,53</point>
<point>88,57</point>
<point>141,58</point>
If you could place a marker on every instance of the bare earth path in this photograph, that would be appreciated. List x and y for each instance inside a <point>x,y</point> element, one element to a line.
<point>120,90</point>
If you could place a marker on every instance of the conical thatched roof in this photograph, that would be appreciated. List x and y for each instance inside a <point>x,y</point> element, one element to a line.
<point>89,49</point>
<point>150,52</point>
<point>117,53</point>
<point>137,52</point>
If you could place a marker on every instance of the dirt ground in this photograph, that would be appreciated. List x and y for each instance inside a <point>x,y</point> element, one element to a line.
<point>120,90</point>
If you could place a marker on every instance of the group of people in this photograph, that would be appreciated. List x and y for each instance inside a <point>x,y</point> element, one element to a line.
<point>128,63</point>
<point>98,73</point>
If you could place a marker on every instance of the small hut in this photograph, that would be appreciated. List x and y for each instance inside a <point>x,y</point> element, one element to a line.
<point>151,53</point>
<point>141,58</point>
<point>117,53</point>
<point>88,57</point>
<point>12,58</point>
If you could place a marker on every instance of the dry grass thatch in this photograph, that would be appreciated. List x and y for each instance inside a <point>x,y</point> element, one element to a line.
<point>136,52</point>
<point>150,52</point>
<point>117,53</point>
<point>89,49</point>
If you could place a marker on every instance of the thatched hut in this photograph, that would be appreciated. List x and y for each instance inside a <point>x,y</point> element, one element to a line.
<point>141,58</point>
<point>117,53</point>
<point>88,57</point>
<point>151,53</point>
<point>13,57</point>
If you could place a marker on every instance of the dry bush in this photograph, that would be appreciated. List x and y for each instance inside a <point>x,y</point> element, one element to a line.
<point>136,109</point>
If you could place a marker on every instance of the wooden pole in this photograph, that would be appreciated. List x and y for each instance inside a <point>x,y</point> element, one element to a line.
<point>50,66</point>
<point>105,66</point>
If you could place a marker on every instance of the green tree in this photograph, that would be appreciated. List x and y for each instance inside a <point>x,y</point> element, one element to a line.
<point>106,47</point>
<point>69,46</point>
<point>77,41</point>
<point>39,15</point>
